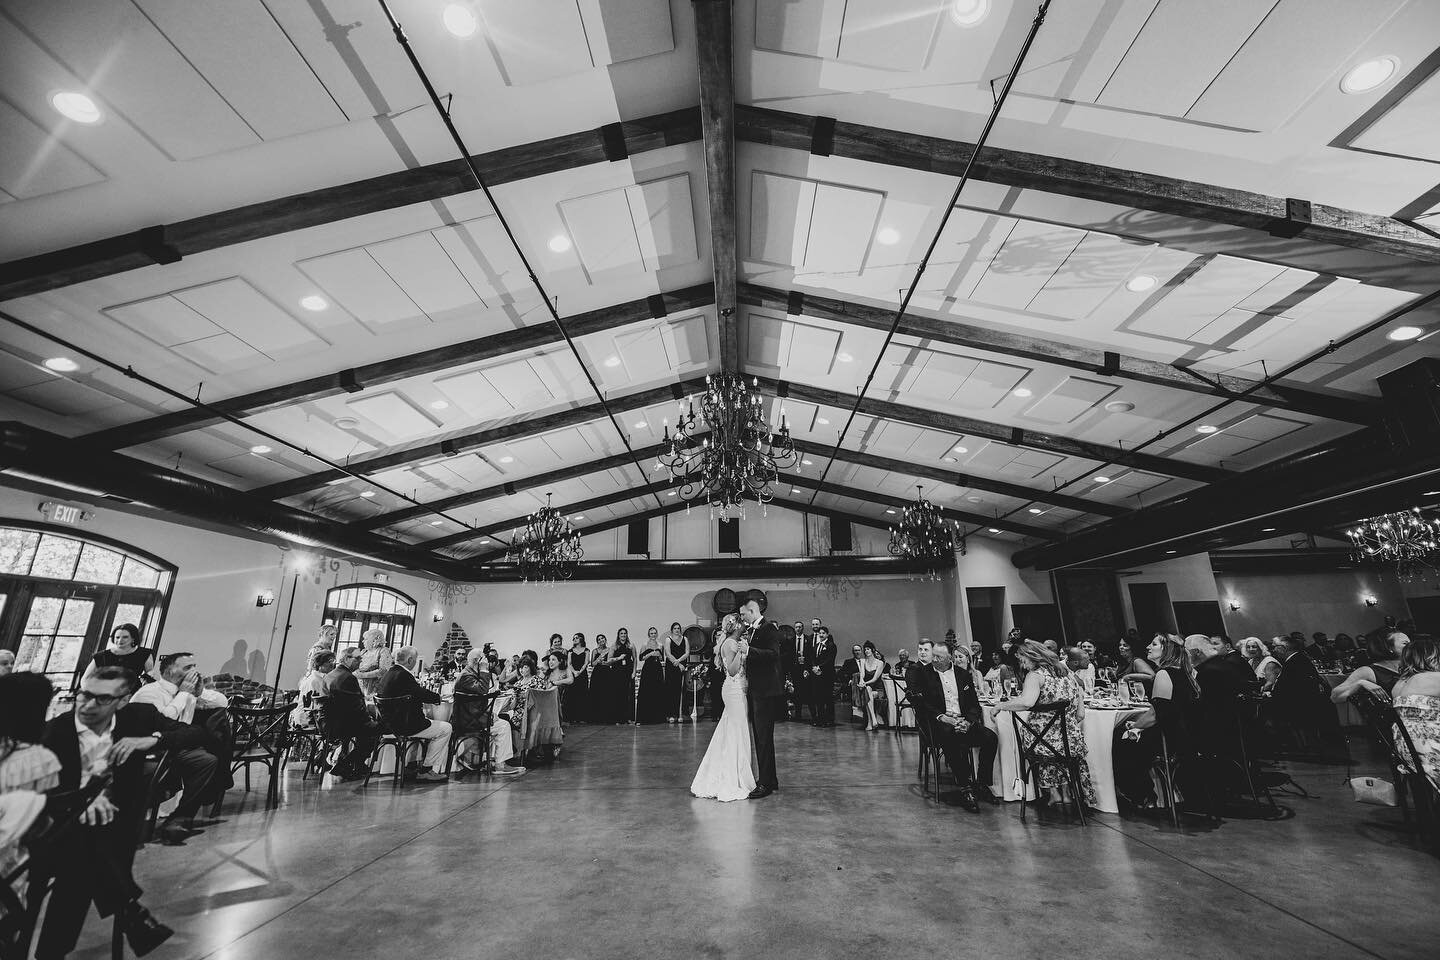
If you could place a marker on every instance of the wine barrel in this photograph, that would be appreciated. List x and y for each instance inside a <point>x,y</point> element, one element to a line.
<point>696,639</point>
<point>725,601</point>
<point>758,596</point>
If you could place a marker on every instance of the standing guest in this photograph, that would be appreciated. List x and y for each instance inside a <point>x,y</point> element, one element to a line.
<point>576,696</point>
<point>1382,673</point>
<point>868,686</point>
<point>375,661</point>
<point>621,675</point>
<point>650,691</point>
<point>557,642</point>
<point>601,697</point>
<point>798,657</point>
<point>1417,704</point>
<point>1048,682</point>
<point>675,649</point>
<point>7,662</point>
<point>472,715</point>
<point>324,641</point>
<point>1133,664</point>
<point>1171,715</point>
<point>944,699</point>
<point>407,719</point>
<point>125,651</point>
<point>977,652</point>
<point>821,682</point>
<point>105,734</point>
<point>1266,667</point>
<point>344,717</point>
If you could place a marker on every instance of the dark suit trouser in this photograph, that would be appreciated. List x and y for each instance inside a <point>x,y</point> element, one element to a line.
<point>89,864</point>
<point>956,747</point>
<point>196,767</point>
<point>822,697</point>
<point>364,737</point>
<point>764,711</point>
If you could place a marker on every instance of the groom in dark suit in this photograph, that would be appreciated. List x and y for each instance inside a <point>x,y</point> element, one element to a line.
<point>766,680</point>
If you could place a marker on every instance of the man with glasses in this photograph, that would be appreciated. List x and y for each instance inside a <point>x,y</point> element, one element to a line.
<point>106,734</point>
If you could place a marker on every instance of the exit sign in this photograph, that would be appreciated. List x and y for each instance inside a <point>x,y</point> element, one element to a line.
<point>63,512</point>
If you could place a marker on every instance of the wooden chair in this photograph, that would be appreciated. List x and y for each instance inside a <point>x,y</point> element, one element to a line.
<point>1039,753</point>
<point>931,759</point>
<point>486,700</point>
<point>262,736</point>
<point>390,708</point>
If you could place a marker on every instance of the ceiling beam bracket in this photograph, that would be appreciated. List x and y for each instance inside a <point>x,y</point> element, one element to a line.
<point>350,382</point>
<point>656,303</point>
<point>1297,219</point>
<point>151,241</point>
<point>794,304</point>
<point>612,138</point>
<point>1017,436</point>
<point>1111,366</point>
<point>822,137</point>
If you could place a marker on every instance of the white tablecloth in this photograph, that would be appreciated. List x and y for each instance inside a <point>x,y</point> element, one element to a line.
<point>894,693</point>
<point>1099,730</point>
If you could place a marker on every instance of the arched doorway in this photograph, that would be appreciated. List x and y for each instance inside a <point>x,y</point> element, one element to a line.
<point>356,607</point>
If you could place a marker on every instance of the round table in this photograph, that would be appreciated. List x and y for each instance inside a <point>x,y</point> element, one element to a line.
<point>895,691</point>
<point>1099,723</point>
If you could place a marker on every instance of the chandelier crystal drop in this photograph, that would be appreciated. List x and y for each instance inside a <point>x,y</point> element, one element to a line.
<point>924,535</point>
<point>1408,539</point>
<point>728,453</point>
<point>548,547</point>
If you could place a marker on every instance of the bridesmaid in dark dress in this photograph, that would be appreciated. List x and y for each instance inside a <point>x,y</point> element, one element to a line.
<point>577,695</point>
<point>650,696</point>
<point>675,650</point>
<point>125,651</point>
<point>599,706</point>
<point>619,689</point>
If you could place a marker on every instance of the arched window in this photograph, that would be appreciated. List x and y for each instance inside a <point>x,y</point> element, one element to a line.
<point>356,607</point>
<point>63,593</point>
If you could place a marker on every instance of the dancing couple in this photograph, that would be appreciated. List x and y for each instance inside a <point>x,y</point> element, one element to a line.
<point>740,761</point>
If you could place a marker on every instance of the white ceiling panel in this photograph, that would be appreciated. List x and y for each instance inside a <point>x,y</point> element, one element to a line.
<point>807,351</point>
<point>422,268</point>
<point>970,240</point>
<point>484,256</point>
<point>1408,129</point>
<point>64,397</point>
<point>165,320</point>
<point>1090,274</point>
<point>780,211</point>
<point>664,218</point>
<point>809,28</point>
<point>841,225</point>
<point>891,34</point>
<point>940,375</point>
<point>560,374</point>
<point>601,227</point>
<point>518,383</point>
<point>360,285</point>
<point>222,353</point>
<point>394,413</point>
<point>643,354</point>
<point>1032,253</point>
<point>21,175</point>
<point>621,30</point>
<point>1204,296</point>
<point>537,40</point>
<point>244,311</point>
<point>1070,400</point>
<point>686,342</point>
<point>475,394</point>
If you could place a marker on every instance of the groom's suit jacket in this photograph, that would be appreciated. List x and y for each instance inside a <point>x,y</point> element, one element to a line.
<point>764,666</point>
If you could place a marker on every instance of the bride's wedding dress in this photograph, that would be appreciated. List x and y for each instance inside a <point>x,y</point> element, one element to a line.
<point>727,771</point>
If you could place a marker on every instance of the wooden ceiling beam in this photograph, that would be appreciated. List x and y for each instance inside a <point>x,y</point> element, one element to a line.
<point>1016,436</point>
<point>890,500</point>
<point>594,503</point>
<point>394,369</point>
<point>1342,407</point>
<point>594,528</point>
<point>1284,217</point>
<point>943,475</point>
<point>168,243</point>
<point>460,442</point>
<point>715,53</point>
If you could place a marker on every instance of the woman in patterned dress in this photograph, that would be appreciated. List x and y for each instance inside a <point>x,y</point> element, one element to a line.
<point>1046,682</point>
<point>1417,703</point>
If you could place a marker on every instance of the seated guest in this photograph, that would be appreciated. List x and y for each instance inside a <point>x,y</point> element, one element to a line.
<point>179,694</point>
<point>1382,673</point>
<point>1133,665</point>
<point>180,689</point>
<point>901,667</point>
<point>1171,714</point>
<point>408,719</point>
<point>1266,667</point>
<point>471,716</point>
<point>977,653</point>
<point>24,763</point>
<point>1417,703</point>
<point>944,698</point>
<point>7,662</point>
<point>1299,698</point>
<point>312,685</point>
<point>1048,682</point>
<point>344,717</point>
<point>961,656</point>
<point>849,670</point>
<point>924,652</point>
<point>107,734</point>
<point>1225,680</point>
<point>868,686</point>
<point>1079,665</point>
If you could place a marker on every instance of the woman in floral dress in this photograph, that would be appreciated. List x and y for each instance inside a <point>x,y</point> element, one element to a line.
<point>1417,703</point>
<point>1048,681</point>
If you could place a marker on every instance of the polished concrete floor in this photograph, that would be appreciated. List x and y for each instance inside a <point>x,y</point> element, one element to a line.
<point>606,855</point>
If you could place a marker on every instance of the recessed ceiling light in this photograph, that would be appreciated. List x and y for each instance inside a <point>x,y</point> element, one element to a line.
<point>612,361</point>
<point>460,20</point>
<point>1269,529</point>
<point>1364,77</point>
<point>346,423</point>
<point>794,489</point>
<point>993,530</point>
<point>844,357</point>
<point>1169,551</point>
<point>486,540</point>
<point>314,302</point>
<point>641,425</point>
<point>75,106</point>
<point>888,236</point>
<point>367,494</point>
<point>670,494</point>
<point>805,463</point>
<point>259,448</point>
<point>968,13</point>
<point>1206,428</point>
<point>435,523</point>
<point>507,459</point>
<point>439,404</point>
<point>1102,479</point>
<point>61,365</point>
<point>1119,406</point>
<point>975,499</point>
<point>949,460</point>
<point>559,243</point>
<point>1140,283</point>
<point>889,511</point>
<point>960,450</point>
<point>1404,333</point>
<point>822,421</point>
<point>1036,510</point>
<point>578,516</point>
<point>1022,392</point>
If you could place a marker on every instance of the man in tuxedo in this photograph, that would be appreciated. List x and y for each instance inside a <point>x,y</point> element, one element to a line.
<point>924,651</point>
<point>408,719</point>
<point>799,658</point>
<point>343,715</point>
<point>1224,678</point>
<point>945,701</point>
<point>761,649</point>
<point>106,734</point>
<point>1299,698</point>
<point>822,680</point>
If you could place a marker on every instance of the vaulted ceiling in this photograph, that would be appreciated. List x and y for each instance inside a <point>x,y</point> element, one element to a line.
<point>1181,220</point>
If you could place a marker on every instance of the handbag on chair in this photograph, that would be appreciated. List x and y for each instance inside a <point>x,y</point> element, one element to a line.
<point>1373,790</point>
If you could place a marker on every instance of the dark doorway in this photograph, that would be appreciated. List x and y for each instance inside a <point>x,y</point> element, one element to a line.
<point>1199,616</point>
<point>1037,621</point>
<point>1153,612</point>
<point>986,606</point>
<point>1425,611</point>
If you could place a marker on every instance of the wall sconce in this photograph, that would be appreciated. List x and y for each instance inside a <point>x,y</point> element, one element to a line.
<point>266,598</point>
<point>437,617</point>
<point>1370,600</point>
<point>1234,605</point>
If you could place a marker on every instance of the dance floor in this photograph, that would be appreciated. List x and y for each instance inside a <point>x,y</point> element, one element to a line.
<point>606,855</point>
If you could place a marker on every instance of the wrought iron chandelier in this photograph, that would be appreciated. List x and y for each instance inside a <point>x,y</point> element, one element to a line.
<point>924,535</point>
<point>548,547</point>
<point>729,453</point>
<point>1409,539</point>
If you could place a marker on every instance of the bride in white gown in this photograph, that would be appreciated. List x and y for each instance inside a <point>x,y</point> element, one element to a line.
<point>727,771</point>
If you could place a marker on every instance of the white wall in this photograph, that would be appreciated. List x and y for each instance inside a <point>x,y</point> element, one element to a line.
<point>1185,578</point>
<point>987,564</point>
<point>775,532</point>
<point>1274,603</point>
<point>212,607</point>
